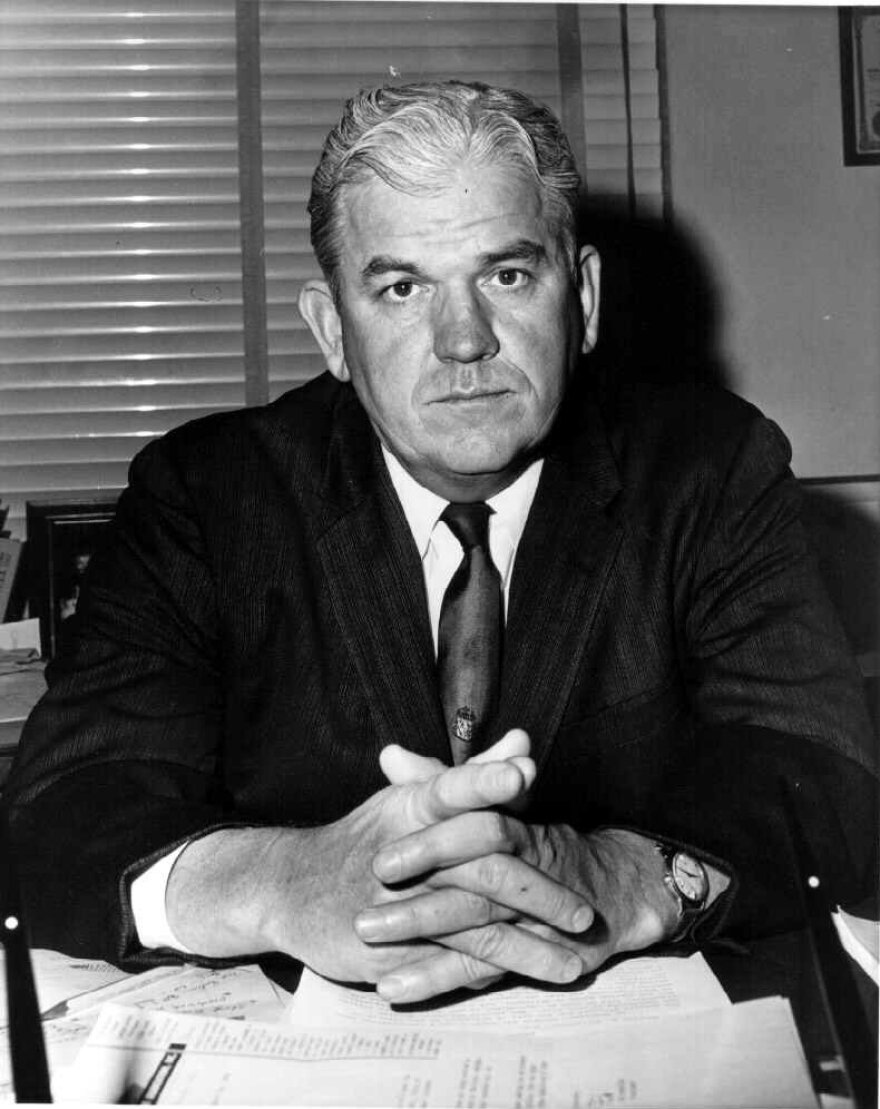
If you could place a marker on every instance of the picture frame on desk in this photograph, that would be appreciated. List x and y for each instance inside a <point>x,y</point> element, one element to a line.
<point>860,84</point>
<point>61,539</point>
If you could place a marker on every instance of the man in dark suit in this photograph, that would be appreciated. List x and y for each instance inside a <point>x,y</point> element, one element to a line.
<point>246,744</point>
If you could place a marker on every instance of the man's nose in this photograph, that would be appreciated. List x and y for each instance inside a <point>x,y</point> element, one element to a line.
<point>463,329</point>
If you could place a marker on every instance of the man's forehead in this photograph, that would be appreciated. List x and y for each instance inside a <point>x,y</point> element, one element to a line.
<point>479,210</point>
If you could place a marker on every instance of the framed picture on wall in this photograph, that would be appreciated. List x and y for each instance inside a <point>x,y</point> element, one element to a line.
<point>61,539</point>
<point>860,85</point>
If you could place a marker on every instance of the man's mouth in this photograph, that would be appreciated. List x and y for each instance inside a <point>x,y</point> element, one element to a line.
<point>471,396</point>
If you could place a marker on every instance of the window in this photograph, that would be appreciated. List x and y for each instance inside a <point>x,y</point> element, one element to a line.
<point>123,310</point>
<point>120,267</point>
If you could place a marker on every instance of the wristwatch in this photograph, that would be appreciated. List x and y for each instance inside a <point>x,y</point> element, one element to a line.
<point>686,879</point>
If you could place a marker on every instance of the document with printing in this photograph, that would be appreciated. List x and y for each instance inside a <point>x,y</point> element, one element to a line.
<point>741,1057</point>
<point>71,992</point>
<point>650,987</point>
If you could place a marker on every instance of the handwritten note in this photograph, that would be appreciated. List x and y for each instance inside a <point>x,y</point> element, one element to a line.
<point>235,992</point>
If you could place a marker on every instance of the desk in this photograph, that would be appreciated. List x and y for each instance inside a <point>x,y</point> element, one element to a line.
<point>784,965</point>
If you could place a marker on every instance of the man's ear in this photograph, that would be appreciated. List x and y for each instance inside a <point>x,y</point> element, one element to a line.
<point>589,272</point>
<point>318,308</point>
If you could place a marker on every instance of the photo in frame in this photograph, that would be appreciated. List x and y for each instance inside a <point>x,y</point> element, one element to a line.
<point>61,539</point>
<point>860,85</point>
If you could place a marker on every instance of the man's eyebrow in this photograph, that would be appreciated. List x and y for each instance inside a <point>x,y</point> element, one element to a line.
<point>523,250</point>
<point>381,264</point>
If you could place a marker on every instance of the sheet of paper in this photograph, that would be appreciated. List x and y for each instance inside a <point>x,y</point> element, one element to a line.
<point>234,992</point>
<point>63,1039</point>
<point>861,941</point>
<point>641,988</point>
<point>242,992</point>
<point>739,1056</point>
<point>19,634</point>
<point>60,977</point>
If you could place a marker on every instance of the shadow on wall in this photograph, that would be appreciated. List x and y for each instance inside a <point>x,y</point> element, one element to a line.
<point>660,304</point>
<point>660,317</point>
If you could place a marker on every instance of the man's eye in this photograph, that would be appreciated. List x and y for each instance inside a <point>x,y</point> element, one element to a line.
<point>510,279</point>
<point>400,290</point>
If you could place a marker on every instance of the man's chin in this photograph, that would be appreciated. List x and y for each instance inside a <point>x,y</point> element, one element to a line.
<point>475,475</point>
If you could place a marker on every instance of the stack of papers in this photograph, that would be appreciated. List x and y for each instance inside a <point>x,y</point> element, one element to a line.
<point>741,1056</point>
<point>71,993</point>
<point>650,1031</point>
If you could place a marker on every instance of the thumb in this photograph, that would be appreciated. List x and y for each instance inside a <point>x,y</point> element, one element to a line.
<point>401,766</point>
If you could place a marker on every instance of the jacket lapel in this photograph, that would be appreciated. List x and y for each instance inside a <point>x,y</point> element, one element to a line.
<point>375,579</point>
<point>562,564</point>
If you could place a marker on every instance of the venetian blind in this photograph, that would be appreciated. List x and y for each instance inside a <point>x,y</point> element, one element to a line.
<point>120,259</point>
<point>120,282</point>
<point>621,103</point>
<point>594,65</point>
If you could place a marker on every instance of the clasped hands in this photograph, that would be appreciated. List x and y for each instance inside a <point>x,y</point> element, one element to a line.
<point>495,894</point>
<point>431,884</point>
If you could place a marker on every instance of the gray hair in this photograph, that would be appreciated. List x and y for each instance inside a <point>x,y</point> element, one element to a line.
<point>409,134</point>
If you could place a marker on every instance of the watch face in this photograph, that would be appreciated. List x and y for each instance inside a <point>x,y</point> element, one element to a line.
<point>690,878</point>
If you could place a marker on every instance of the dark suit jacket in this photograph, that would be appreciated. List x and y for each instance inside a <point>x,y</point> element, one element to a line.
<point>257,631</point>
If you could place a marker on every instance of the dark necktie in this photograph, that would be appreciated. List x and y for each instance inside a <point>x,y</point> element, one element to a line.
<point>469,639</point>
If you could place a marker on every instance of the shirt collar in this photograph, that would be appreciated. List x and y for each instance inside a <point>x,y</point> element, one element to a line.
<point>423,509</point>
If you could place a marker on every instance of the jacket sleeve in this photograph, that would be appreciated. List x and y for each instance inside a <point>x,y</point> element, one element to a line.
<point>119,760</point>
<point>777,701</point>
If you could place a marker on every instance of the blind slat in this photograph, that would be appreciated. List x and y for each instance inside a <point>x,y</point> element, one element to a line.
<point>277,14</point>
<point>111,296</point>
<point>82,348</point>
<point>112,381</point>
<point>37,479</point>
<point>29,412</point>
<point>63,441</point>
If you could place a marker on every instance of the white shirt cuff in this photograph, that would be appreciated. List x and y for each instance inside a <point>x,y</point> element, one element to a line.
<point>148,905</point>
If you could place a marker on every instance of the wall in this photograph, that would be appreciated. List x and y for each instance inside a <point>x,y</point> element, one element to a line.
<point>792,237</point>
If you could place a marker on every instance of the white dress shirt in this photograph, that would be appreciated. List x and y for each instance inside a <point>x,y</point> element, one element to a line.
<point>438,548</point>
<point>441,554</point>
